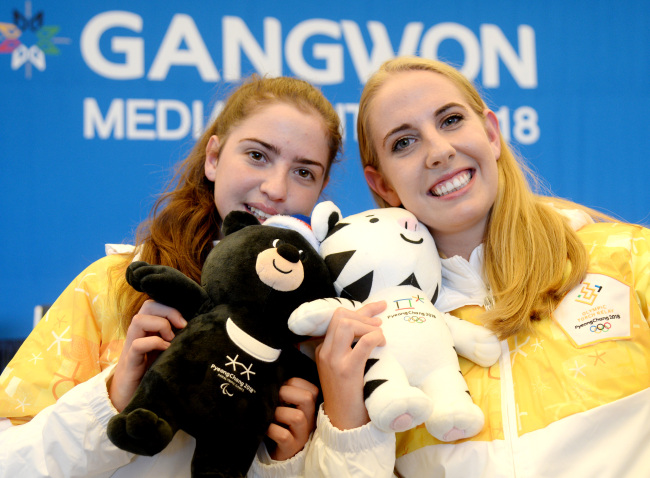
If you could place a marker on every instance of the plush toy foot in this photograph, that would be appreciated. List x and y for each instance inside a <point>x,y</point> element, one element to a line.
<point>401,423</point>
<point>454,434</point>
<point>397,412</point>
<point>140,431</point>
<point>455,421</point>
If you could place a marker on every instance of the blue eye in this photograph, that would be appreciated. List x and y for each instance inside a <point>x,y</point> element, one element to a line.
<point>452,120</point>
<point>402,143</point>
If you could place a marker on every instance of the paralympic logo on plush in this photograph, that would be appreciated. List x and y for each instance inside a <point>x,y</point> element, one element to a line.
<point>29,41</point>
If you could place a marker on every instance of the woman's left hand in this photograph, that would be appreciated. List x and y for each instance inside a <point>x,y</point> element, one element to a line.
<point>295,420</point>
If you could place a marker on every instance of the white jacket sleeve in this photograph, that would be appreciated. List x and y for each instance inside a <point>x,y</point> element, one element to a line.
<point>67,439</point>
<point>265,467</point>
<point>361,452</point>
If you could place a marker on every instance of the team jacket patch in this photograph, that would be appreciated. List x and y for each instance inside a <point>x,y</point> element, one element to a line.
<point>595,311</point>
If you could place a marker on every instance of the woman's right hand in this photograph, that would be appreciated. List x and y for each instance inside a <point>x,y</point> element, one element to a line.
<point>149,333</point>
<point>341,364</point>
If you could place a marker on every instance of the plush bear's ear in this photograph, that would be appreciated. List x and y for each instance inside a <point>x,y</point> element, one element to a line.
<point>236,220</point>
<point>323,219</point>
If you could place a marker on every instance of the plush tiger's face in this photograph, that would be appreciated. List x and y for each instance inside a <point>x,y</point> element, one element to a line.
<point>376,249</point>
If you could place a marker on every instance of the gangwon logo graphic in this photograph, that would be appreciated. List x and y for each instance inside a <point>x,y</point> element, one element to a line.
<point>29,40</point>
<point>588,294</point>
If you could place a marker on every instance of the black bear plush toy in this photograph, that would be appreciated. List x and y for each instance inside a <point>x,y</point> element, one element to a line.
<point>219,380</point>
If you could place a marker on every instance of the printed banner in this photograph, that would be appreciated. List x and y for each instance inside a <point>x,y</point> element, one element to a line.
<point>100,100</point>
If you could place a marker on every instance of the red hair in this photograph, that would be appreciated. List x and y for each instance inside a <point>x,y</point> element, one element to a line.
<point>184,221</point>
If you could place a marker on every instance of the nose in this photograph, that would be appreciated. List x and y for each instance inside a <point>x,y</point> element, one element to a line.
<point>289,252</point>
<point>409,223</point>
<point>274,185</point>
<point>440,150</point>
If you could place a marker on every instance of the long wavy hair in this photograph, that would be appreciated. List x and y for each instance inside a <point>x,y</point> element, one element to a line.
<point>532,255</point>
<point>184,221</point>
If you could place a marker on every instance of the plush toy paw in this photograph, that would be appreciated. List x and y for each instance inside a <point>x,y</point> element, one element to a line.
<point>313,318</point>
<point>138,271</point>
<point>398,409</point>
<point>455,421</point>
<point>140,431</point>
<point>487,348</point>
<point>474,342</point>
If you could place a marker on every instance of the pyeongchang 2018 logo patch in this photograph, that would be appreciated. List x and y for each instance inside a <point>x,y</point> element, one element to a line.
<point>588,293</point>
<point>28,40</point>
<point>598,309</point>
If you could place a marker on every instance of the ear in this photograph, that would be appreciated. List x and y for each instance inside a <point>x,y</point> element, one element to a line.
<point>381,186</point>
<point>323,218</point>
<point>493,131</point>
<point>211,158</point>
<point>236,220</point>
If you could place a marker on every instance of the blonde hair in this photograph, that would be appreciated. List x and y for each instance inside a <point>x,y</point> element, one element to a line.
<point>532,255</point>
<point>184,221</point>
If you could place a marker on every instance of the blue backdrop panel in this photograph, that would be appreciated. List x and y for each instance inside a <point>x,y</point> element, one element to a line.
<point>99,100</point>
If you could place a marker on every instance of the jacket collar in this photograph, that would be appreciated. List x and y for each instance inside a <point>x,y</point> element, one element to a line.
<point>463,282</point>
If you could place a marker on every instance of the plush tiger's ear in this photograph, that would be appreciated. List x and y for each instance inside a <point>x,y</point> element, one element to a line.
<point>324,218</point>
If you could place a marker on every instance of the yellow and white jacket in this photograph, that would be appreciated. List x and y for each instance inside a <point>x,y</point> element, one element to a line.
<point>55,390</point>
<point>570,399</point>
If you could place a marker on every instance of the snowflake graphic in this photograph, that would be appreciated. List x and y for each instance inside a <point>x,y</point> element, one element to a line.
<point>29,41</point>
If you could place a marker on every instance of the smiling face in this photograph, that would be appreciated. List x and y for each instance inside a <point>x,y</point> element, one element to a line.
<point>273,162</point>
<point>437,157</point>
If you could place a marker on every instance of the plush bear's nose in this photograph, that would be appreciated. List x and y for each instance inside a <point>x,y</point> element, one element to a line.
<point>289,252</point>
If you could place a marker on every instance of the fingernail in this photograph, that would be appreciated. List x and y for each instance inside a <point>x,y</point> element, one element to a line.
<point>183,322</point>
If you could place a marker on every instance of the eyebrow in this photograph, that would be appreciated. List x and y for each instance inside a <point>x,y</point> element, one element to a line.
<point>405,126</point>
<point>271,147</point>
<point>275,150</point>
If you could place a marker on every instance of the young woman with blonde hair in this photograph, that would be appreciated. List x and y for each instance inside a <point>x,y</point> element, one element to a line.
<point>268,152</point>
<point>566,289</point>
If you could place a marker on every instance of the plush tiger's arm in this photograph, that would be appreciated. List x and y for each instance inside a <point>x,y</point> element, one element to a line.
<point>313,318</point>
<point>474,342</point>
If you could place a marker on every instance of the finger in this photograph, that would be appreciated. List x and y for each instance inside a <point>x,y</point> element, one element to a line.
<point>153,308</point>
<point>148,344</point>
<point>301,399</point>
<point>280,435</point>
<point>363,315</point>
<point>366,344</point>
<point>303,384</point>
<point>373,308</point>
<point>345,333</point>
<point>141,354</point>
<point>293,419</point>
<point>144,325</point>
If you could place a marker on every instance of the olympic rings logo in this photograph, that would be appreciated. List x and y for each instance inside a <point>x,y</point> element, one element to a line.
<point>600,327</point>
<point>415,319</point>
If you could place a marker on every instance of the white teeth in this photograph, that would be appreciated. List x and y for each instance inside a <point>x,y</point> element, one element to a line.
<point>452,185</point>
<point>258,213</point>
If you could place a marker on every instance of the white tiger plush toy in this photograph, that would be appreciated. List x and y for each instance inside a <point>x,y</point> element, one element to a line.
<point>386,254</point>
